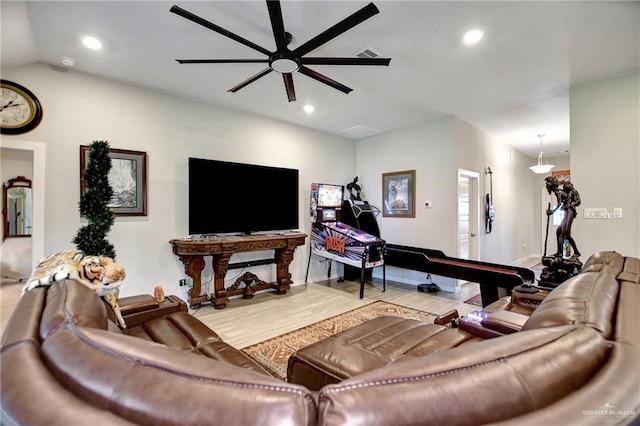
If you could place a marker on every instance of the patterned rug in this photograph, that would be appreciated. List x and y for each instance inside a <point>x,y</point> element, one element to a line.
<point>475,301</point>
<point>274,353</point>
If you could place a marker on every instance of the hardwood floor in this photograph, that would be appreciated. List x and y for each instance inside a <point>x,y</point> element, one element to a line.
<point>245,322</point>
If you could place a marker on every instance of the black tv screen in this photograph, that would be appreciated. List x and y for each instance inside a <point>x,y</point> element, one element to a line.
<point>227,197</point>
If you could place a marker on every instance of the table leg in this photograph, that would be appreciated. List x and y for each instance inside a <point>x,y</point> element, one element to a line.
<point>220,263</point>
<point>283,258</point>
<point>193,266</point>
<point>362,271</point>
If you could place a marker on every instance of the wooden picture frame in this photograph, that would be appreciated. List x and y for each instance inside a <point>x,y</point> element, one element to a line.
<point>128,178</point>
<point>399,194</point>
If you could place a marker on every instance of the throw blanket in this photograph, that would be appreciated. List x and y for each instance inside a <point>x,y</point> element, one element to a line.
<point>99,273</point>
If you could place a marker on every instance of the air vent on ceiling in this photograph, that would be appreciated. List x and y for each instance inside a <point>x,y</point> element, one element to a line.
<point>361,131</point>
<point>368,52</point>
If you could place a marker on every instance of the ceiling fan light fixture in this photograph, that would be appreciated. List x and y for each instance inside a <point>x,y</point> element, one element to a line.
<point>283,60</point>
<point>541,168</point>
<point>284,65</point>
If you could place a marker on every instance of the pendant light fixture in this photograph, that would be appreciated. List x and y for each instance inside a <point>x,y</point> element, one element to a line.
<point>541,168</point>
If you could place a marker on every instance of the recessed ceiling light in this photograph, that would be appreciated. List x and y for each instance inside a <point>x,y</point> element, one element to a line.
<point>473,36</point>
<point>309,109</point>
<point>92,43</point>
<point>67,61</point>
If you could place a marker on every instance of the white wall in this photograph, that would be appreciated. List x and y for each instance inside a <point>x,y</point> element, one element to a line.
<point>605,162</point>
<point>512,237</point>
<point>80,108</point>
<point>436,150</point>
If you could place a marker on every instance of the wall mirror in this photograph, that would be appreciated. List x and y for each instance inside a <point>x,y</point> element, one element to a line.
<point>16,208</point>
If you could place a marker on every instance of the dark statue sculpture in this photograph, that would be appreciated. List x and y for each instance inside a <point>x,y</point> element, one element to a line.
<point>564,263</point>
<point>354,189</point>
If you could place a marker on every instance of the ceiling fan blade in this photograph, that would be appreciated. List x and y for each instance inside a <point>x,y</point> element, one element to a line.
<point>213,27</point>
<point>288,84</point>
<point>324,79</point>
<point>346,24</point>
<point>277,23</point>
<point>345,61</point>
<point>222,61</point>
<point>250,80</point>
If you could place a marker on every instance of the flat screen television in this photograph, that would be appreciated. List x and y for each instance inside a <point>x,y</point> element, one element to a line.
<point>227,197</point>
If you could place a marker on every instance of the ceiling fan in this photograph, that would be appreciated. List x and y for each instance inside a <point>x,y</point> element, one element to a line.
<point>284,60</point>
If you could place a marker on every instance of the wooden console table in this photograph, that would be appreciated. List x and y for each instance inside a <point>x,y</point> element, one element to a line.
<point>191,251</point>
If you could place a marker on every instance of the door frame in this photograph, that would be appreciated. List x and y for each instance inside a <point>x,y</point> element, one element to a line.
<point>38,220</point>
<point>474,213</point>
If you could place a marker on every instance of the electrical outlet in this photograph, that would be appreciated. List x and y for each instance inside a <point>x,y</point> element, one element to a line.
<point>427,204</point>
<point>595,213</point>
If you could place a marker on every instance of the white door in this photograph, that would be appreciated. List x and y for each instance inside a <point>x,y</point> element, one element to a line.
<point>464,218</point>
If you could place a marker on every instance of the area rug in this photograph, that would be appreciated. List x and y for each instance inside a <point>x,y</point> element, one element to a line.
<point>475,301</point>
<point>273,354</point>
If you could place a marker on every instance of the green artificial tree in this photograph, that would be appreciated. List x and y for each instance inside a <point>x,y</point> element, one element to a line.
<point>94,204</point>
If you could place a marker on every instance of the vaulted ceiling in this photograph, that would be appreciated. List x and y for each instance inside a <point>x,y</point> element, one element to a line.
<point>513,84</point>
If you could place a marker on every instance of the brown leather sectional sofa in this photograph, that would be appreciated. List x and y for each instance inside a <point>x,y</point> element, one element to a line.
<point>572,359</point>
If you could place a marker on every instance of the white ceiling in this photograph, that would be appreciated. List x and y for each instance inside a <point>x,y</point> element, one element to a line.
<point>513,85</point>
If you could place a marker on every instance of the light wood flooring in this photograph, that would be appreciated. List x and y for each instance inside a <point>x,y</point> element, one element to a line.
<point>245,322</point>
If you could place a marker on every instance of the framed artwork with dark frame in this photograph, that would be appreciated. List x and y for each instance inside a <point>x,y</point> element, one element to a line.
<point>128,178</point>
<point>398,194</point>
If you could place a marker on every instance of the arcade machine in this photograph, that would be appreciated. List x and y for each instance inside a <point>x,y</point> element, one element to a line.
<point>334,240</point>
<point>360,214</point>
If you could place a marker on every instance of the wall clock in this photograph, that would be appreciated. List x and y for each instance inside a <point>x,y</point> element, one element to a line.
<point>20,110</point>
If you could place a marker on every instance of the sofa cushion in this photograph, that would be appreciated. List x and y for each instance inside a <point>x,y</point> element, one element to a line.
<point>610,261</point>
<point>32,396</point>
<point>631,270</point>
<point>368,346</point>
<point>477,383</point>
<point>25,319</point>
<point>180,330</point>
<point>628,314</point>
<point>148,383</point>
<point>72,303</point>
<point>609,398</point>
<point>588,298</point>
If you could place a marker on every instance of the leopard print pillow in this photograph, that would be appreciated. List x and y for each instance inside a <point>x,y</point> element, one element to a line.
<point>99,273</point>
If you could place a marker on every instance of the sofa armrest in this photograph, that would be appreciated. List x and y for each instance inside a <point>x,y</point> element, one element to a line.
<point>505,322</point>
<point>447,317</point>
<point>139,303</point>
<point>528,300</point>
<point>137,310</point>
<point>472,324</point>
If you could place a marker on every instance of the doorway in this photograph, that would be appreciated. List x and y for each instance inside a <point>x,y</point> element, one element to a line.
<point>468,217</point>
<point>38,149</point>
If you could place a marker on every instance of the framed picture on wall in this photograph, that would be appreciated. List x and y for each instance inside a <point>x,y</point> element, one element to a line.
<point>398,194</point>
<point>128,178</point>
<point>562,175</point>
